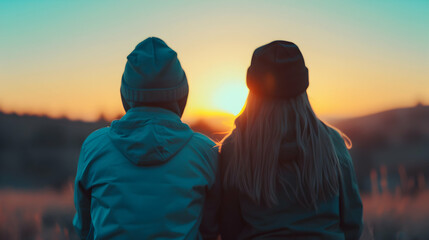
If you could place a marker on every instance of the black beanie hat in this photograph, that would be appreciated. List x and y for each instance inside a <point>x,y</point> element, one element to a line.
<point>277,70</point>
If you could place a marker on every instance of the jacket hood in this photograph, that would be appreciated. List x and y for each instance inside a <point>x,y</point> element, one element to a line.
<point>149,135</point>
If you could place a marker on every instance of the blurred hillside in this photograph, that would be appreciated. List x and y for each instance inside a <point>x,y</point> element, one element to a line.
<point>393,142</point>
<point>39,152</point>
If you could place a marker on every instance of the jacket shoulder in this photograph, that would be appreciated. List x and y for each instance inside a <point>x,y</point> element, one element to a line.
<point>88,146</point>
<point>95,136</point>
<point>204,140</point>
<point>208,149</point>
<point>205,146</point>
<point>340,147</point>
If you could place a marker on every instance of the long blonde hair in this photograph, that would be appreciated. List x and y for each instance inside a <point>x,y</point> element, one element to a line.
<point>253,166</point>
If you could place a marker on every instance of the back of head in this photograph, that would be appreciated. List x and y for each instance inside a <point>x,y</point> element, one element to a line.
<point>278,111</point>
<point>153,76</point>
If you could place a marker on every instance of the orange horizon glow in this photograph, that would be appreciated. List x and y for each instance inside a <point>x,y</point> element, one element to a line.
<point>216,118</point>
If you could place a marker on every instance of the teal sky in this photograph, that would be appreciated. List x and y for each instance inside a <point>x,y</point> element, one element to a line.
<point>66,57</point>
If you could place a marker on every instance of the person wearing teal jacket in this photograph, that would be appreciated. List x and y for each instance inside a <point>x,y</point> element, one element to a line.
<point>284,173</point>
<point>148,175</point>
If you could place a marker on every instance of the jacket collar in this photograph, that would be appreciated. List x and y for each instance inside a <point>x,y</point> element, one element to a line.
<point>150,113</point>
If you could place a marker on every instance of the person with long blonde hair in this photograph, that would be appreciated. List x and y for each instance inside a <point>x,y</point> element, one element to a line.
<point>285,174</point>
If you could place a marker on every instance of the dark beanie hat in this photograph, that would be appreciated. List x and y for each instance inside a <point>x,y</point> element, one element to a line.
<point>277,70</point>
<point>153,74</point>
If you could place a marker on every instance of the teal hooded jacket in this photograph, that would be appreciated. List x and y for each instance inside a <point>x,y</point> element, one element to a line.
<point>145,177</point>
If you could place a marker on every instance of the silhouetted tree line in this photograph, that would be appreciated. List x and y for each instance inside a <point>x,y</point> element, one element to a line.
<point>38,152</point>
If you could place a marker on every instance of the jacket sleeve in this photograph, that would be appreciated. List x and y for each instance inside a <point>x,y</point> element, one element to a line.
<point>82,201</point>
<point>350,202</point>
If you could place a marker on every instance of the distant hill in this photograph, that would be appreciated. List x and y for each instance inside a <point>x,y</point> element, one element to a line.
<point>37,152</point>
<point>397,125</point>
<point>40,151</point>
<point>393,139</point>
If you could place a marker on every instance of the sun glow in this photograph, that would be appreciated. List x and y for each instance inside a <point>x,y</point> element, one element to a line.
<point>230,97</point>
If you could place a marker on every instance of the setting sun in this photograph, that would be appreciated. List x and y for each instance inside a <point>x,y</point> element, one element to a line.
<point>230,97</point>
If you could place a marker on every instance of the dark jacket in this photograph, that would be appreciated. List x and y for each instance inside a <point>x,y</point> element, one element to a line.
<point>145,177</point>
<point>337,218</point>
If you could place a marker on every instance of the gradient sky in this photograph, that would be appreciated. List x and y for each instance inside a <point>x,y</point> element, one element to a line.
<point>67,57</point>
